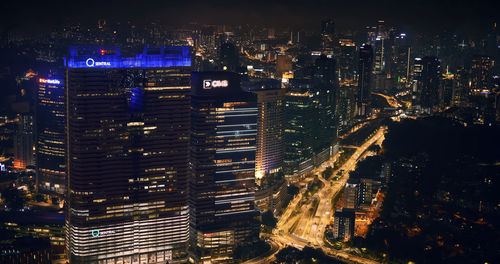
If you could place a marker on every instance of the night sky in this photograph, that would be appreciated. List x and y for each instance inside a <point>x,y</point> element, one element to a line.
<point>423,16</point>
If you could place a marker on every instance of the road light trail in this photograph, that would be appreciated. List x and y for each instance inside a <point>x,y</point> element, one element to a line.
<point>311,230</point>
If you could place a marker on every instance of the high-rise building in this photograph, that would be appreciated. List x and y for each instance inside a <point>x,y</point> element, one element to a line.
<point>427,74</point>
<point>446,90</point>
<point>481,79</point>
<point>461,88</point>
<point>299,117</point>
<point>327,35</point>
<point>351,193</point>
<point>379,55</point>
<point>270,122</point>
<point>223,145</point>
<point>346,59</point>
<point>283,65</point>
<point>367,190</point>
<point>229,58</point>
<point>327,27</point>
<point>346,107</point>
<point>343,224</point>
<point>364,78</point>
<point>24,147</point>
<point>326,88</point>
<point>128,151</point>
<point>50,135</point>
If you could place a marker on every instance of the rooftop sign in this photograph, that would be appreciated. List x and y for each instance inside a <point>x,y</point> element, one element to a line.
<point>98,57</point>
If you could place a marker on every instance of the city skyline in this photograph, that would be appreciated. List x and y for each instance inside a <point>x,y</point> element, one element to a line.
<point>425,16</point>
<point>250,132</point>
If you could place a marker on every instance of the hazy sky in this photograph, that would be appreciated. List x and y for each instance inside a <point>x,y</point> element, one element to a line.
<point>423,15</point>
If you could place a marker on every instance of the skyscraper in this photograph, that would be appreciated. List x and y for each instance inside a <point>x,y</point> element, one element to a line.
<point>327,27</point>
<point>223,145</point>
<point>351,193</point>
<point>270,121</point>
<point>24,143</point>
<point>427,78</point>
<point>50,135</point>
<point>364,77</point>
<point>343,224</point>
<point>300,114</point>
<point>326,90</point>
<point>229,58</point>
<point>128,150</point>
<point>481,79</point>
<point>446,89</point>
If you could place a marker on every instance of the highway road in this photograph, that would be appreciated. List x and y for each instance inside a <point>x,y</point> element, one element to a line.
<point>299,227</point>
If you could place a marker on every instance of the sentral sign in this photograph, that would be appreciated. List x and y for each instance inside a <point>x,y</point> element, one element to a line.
<point>209,84</point>
<point>91,63</point>
<point>98,233</point>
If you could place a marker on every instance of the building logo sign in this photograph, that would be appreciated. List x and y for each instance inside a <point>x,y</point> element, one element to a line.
<point>49,81</point>
<point>96,233</point>
<point>91,63</point>
<point>209,84</point>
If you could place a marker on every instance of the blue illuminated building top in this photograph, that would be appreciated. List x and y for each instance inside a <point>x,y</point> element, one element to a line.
<point>105,57</point>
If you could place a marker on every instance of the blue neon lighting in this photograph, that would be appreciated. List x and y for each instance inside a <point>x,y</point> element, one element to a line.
<point>136,100</point>
<point>100,57</point>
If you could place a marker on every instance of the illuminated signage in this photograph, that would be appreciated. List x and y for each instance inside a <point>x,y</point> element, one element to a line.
<point>97,233</point>
<point>49,81</point>
<point>209,84</point>
<point>91,63</point>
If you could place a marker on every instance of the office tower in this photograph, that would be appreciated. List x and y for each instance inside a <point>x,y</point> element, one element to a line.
<point>271,33</point>
<point>364,77</point>
<point>326,90</point>
<point>427,83</point>
<point>27,87</point>
<point>228,56</point>
<point>128,151</point>
<point>447,88</point>
<point>346,107</point>
<point>283,65</point>
<point>50,135</point>
<point>386,172</point>
<point>24,142</point>
<point>270,122</point>
<point>297,37</point>
<point>347,60</point>
<point>351,193</point>
<point>367,190</point>
<point>481,79</point>
<point>300,114</point>
<point>379,55</point>
<point>417,76</point>
<point>461,88</point>
<point>223,144</point>
<point>397,58</point>
<point>327,29</point>
<point>343,224</point>
<point>327,35</point>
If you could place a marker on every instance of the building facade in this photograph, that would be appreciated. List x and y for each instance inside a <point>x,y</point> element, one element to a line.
<point>128,149</point>
<point>223,146</point>
<point>343,224</point>
<point>24,145</point>
<point>50,137</point>
<point>270,119</point>
<point>365,65</point>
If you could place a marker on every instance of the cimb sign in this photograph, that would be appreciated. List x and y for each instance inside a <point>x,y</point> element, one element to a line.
<point>209,84</point>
